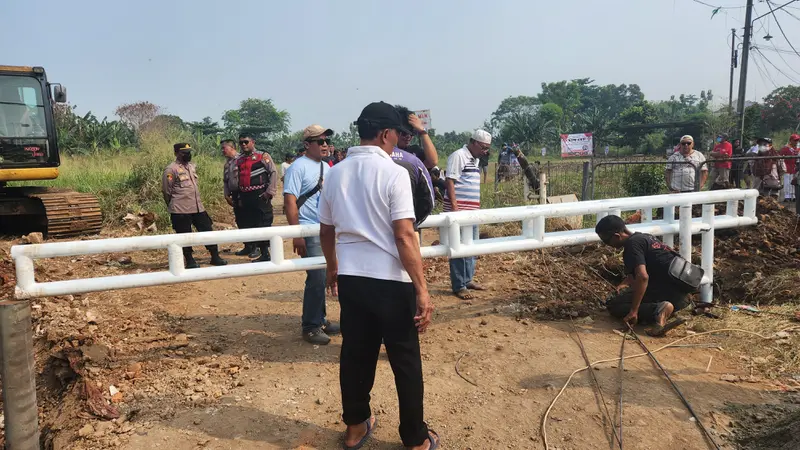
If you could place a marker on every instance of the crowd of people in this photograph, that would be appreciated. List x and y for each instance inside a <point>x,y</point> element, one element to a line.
<point>773,172</point>
<point>369,200</point>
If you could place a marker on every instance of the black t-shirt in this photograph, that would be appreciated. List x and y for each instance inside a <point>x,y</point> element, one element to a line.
<point>645,249</point>
<point>417,151</point>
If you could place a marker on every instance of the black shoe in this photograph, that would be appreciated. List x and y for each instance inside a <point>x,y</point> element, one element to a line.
<point>190,263</point>
<point>254,253</point>
<point>217,261</point>
<point>245,251</point>
<point>317,337</point>
<point>331,328</point>
<point>263,258</point>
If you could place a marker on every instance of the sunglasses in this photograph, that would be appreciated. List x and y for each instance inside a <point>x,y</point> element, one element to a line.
<point>244,142</point>
<point>686,143</point>
<point>320,141</point>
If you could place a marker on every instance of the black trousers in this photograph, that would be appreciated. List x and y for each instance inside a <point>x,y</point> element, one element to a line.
<point>182,223</point>
<point>619,305</point>
<point>373,310</point>
<point>255,212</point>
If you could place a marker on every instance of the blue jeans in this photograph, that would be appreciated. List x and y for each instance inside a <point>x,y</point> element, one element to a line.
<point>314,293</point>
<point>463,269</point>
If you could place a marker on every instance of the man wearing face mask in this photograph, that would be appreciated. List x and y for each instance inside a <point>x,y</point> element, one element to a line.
<point>258,180</point>
<point>720,173</point>
<point>791,167</point>
<point>179,184</point>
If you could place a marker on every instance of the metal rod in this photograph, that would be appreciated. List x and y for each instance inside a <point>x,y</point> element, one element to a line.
<point>18,372</point>
<point>596,383</point>
<point>675,387</point>
<point>621,373</point>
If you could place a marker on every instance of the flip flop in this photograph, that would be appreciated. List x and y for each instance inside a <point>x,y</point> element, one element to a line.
<point>658,330</point>
<point>434,442</point>
<point>475,286</point>
<point>464,294</point>
<point>370,429</point>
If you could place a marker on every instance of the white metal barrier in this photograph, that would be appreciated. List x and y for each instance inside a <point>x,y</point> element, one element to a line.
<point>455,236</point>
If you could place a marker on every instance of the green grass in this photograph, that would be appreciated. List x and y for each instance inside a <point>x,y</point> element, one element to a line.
<point>130,182</point>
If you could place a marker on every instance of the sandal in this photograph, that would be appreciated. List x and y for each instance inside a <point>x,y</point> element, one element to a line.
<point>658,330</point>
<point>464,294</point>
<point>434,440</point>
<point>475,286</point>
<point>372,422</point>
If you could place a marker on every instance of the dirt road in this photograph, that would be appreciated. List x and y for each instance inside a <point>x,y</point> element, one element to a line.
<point>240,377</point>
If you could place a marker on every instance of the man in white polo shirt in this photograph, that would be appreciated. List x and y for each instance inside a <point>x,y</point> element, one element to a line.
<point>366,217</point>
<point>463,194</point>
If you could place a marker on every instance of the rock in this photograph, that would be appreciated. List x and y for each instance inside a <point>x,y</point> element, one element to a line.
<point>86,431</point>
<point>103,428</point>
<point>782,335</point>
<point>92,317</point>
<point>98,353</point>
<point>484,322</point>
<point>320,401</point>
<point>33,238</point>
<point>133,370</point>
<point>112,390</point>
<point>729,378</point>
<point>585,320</point>
<point>125,260</point>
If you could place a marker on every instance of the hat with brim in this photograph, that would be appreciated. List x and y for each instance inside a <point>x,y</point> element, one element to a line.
<point>765,140</point>
<point>312,131</point>
<point>182,146</point>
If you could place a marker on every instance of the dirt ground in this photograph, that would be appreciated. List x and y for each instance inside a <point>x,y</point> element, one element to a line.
<point>221,365</point>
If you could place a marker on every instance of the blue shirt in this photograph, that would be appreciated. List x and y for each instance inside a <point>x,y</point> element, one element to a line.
<point>301,177</point>
<point>402,155</point>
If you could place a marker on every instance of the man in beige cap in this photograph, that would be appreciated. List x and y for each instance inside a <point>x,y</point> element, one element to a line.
<point>463,194</point>
<point>301,191</point>
<point>682,167</point>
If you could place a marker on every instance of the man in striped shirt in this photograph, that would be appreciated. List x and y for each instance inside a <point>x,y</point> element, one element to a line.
<point>464,194</point>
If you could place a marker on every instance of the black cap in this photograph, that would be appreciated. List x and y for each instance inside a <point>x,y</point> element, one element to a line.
<point>764,139</point>
<point>182,146</point>
<point>381,115</point>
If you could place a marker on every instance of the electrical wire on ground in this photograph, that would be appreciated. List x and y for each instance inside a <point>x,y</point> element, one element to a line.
<point>611,360</point>
<point>621,373</point>
<point>675,387</point>
<point>596,384</point>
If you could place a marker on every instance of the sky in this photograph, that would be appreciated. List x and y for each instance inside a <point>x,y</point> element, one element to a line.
<point>323,61</point>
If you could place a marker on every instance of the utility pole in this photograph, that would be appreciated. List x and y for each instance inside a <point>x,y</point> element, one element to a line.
<point>733,66</point>
<point>748,31</point>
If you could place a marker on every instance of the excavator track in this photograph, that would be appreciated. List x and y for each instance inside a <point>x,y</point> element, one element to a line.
<point>71,213</point>
<point>57,213</point>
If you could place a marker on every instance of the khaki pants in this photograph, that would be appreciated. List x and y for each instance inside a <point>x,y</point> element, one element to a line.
<point>720,177</point>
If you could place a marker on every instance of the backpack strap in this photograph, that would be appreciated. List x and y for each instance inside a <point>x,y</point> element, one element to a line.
<point>304,197</point>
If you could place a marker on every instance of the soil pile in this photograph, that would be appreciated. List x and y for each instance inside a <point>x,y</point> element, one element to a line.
<point>767,427</point>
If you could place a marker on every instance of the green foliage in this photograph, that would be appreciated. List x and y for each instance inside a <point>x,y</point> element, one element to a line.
<point>781,108</point>
<point>206,127</point>
<point>644,180</point>
<point>85,134</point>
<point>256,116</point>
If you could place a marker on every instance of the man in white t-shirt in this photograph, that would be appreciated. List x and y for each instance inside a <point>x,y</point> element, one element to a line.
<point>464,194</point>
<point>287,162</point>
<point>682,167</point>
<point>366,215</point>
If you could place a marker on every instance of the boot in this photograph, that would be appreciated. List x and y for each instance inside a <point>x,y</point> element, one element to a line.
<point>216,260</point>
<point>245,251</point>
<point>264,254</point>
<point>254,253</point>
<point>190,263</point>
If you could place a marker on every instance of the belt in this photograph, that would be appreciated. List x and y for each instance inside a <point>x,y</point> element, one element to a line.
<point>252,188</point>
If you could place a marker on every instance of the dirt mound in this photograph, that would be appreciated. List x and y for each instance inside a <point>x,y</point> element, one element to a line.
<point>767,427</point>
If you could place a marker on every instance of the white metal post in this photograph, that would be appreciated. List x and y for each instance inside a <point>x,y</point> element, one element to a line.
<point>175,257</point>
<point>686,231</point>
<point>276,249</point>
<point>731,208</point>
<point>669,218</point>
<point>444,238</point>
<point>538,227</point>
<point>647,215</point>
<point>707,262</point>
<point>542,188</point>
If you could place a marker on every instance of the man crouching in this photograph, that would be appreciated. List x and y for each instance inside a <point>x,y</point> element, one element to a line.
<point>648,293</point>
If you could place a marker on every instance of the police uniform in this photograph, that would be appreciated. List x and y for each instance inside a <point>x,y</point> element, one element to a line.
<point>179,185</point>
<point>230,180</point>
<point>257,184</point>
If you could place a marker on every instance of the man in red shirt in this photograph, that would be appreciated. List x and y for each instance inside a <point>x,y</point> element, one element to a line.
<point>791,167</point>
<point>720,173</point>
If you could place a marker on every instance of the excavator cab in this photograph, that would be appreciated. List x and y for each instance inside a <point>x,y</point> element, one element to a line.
<point>29,152</point>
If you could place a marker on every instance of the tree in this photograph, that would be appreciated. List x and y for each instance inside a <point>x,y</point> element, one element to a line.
<point>509,106</point>
<point>781,109</point>
<point>642,113</point>
<point>256,116</point>
<point>206,127</point>
<point>137,114</point>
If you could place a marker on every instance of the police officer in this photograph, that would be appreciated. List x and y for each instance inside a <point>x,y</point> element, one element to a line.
<point>258,179</point>
<point>179,185</point>
<point>230,180</point>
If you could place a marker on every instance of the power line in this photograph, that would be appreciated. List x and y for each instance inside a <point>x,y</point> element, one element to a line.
<point>783,59</point>
<point>772,10</point>
<point>761,74</point>
<point>776,67</point>
<point>716,7</point>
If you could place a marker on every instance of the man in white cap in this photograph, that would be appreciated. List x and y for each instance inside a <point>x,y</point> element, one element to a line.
<point>463,194</point>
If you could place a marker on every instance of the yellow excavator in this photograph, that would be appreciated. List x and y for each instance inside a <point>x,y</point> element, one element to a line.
<point>29,152</point>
